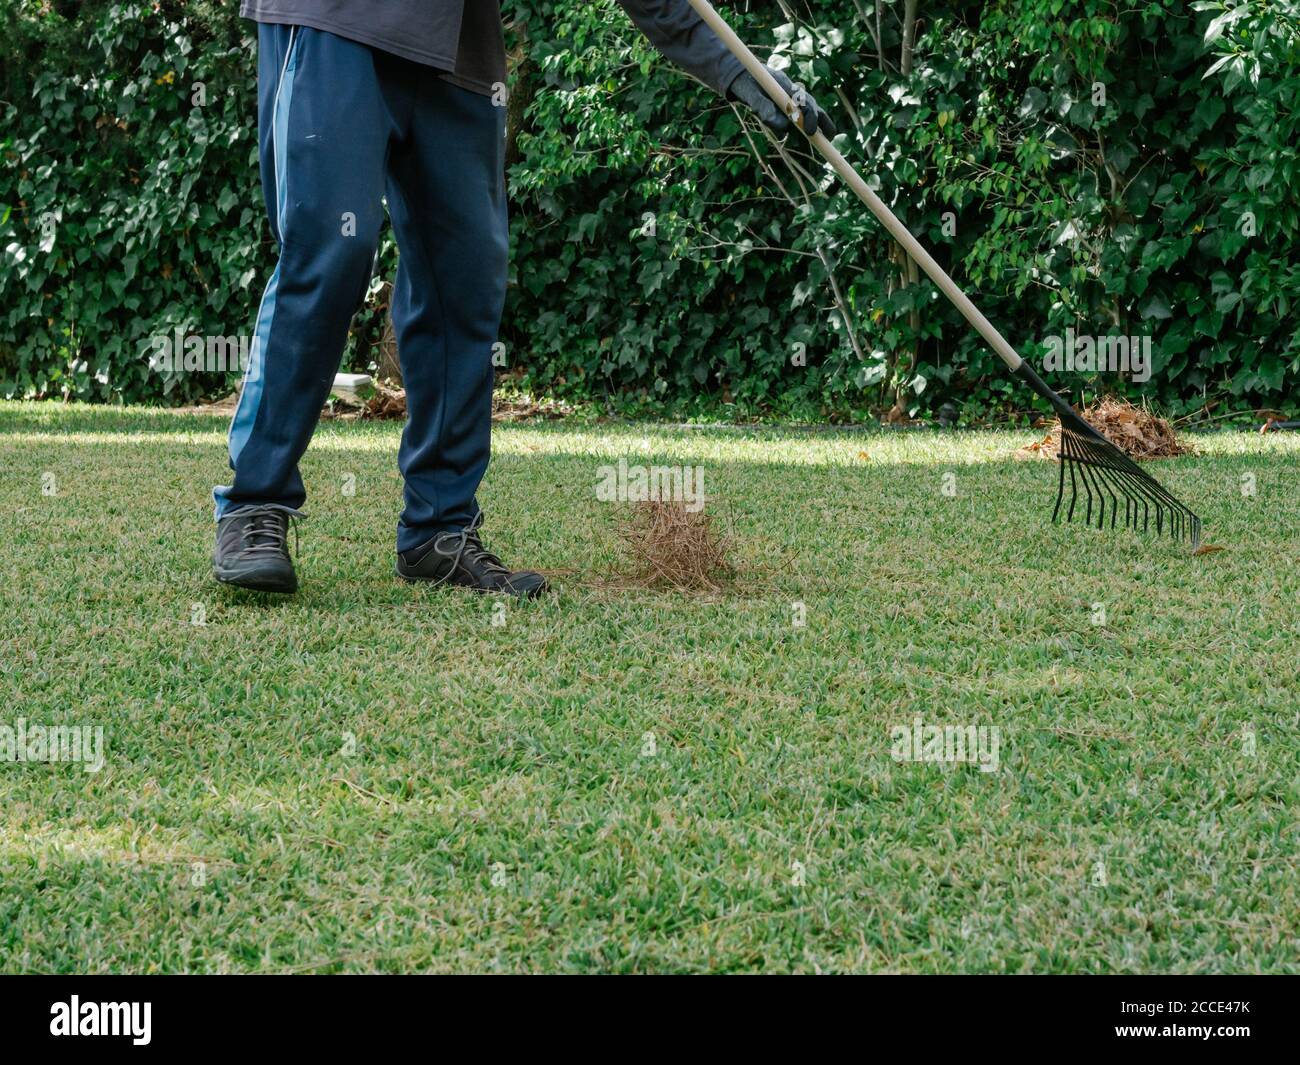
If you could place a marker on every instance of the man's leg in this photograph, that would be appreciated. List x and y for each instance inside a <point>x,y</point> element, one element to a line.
<point>324,128</point>
<point>446,196</point>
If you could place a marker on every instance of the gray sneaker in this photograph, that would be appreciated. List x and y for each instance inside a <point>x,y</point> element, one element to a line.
<point>253,548</point>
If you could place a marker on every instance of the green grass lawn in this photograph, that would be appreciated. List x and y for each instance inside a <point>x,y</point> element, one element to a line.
<point>370,776</point>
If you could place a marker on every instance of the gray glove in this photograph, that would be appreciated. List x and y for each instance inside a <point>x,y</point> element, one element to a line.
<point>747,90</point>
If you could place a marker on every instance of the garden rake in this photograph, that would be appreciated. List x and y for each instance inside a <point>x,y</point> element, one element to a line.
<point>1103,471</point>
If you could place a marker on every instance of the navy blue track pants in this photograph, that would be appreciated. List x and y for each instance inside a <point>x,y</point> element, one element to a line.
<point>341,126</point>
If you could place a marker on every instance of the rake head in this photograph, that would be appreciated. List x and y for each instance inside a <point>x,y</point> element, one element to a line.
<point>1107,476</point>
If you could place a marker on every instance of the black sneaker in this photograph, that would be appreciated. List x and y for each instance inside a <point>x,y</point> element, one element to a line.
<point>460,558</point>
<point>253,548</point>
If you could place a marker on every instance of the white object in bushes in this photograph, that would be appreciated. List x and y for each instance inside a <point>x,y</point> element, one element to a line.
<point>356,386</point>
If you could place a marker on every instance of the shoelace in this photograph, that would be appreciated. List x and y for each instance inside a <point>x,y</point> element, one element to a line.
<point>467,539</point>
<point>265,533</point>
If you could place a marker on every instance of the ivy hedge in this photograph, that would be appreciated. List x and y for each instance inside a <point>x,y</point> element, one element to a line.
<point>1106,167</point>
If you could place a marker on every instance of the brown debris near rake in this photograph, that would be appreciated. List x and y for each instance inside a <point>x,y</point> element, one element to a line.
<point>385,403</point>
<point>672,547</point>
<point>1105,473</point>
<point>1134,430</point>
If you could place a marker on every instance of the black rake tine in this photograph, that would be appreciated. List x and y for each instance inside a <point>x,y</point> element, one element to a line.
<point>1132,497</point>
<point>1074,488</point>
<point>1074,493</point>
<point>1087,488</point>
<point>1118,490</point>
<point>1109,482</point>
<point>1060,483</point>
<point>1074,455</point>
<point>1084,462</point>
<point>1112,487</point>
<point>1099,479</point>
<point>1061,452</point>
<point>1146,503</point>
<point>1090,474</point>
<point>1130,501</point>
<point>1090,480</point>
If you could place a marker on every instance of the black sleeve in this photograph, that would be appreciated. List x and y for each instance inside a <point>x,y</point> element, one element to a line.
<point>674,28</point>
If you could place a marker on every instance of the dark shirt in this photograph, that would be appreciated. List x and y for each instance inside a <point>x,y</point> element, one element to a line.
<point>462,38</point>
